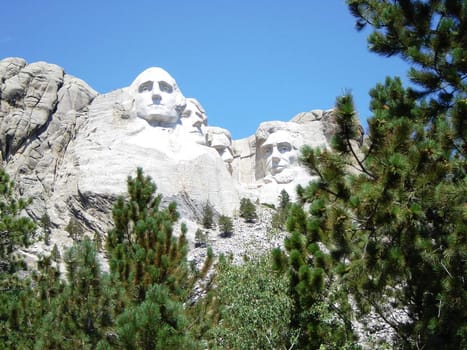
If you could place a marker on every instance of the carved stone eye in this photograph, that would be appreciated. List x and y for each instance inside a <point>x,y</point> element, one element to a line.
<point>145,87</point>
<point>267,149</point>
<point>186,113</point>
<point>165,87</point>
<point>284,147</point>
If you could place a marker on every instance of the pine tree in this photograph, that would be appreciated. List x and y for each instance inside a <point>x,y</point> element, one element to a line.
<point>248,210</point>
<point>280,217</point>
<point>82,312</point>
<point>284,200</point>
<point>150,263</point>
<point>321,315</point>
<point>142,248</point>
<point>430,35</point>
<point>45,225</point>
<point>388,221</point>
<point>74,229</point>
<point>16,231</point>
<point>201,239</point>
<point>208,216</point>
<point>158,322</point>
<point>225,226</point>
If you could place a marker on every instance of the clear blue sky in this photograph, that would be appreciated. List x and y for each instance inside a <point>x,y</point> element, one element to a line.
<point>246,61</point>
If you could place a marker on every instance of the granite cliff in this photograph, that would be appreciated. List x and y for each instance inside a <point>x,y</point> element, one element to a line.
<point>71,149</point>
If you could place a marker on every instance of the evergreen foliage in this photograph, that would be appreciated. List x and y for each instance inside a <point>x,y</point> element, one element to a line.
<point>284,200</point>
<point>150,264</point>
<point>380,232</point>
<point>280,217</point>
<point>142,248</point>
<point>225,226</point>
<point>158,322</point>
<point>247,210</point>
<point>74,229</point>
<point>82,313</point>
<point>208,216</point>
<point>140,305</point>
<point>15,230</point>
<point>388,222</point>
<point>45,224</point>
<point>201,239</point>
<point>431,36</point>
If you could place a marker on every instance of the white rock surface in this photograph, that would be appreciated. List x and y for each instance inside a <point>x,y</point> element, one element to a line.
<point>109,148</point>
<point>71,149</point>
<point>248,240</point>
<point>268,162</point>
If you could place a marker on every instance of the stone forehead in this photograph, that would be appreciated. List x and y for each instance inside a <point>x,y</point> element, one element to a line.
<point>278,136</point>
<point>218,136</point>
<point>195,102</point>
<point>215,130</point>
<point>267,128</point>
<point>154,74</point>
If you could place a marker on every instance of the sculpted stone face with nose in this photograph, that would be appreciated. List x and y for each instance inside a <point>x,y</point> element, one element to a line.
<point>193,121</point>
<point>278,153</point>
<point>221,140</point>
<point>157,97</point>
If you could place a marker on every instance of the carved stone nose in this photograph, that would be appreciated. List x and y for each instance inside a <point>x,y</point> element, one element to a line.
<point>156,99</point>
<point>275,153</point>
<point>227,157</point>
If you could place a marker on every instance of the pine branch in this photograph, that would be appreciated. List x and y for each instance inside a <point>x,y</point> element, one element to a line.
<point>445,268</point>
<point>362,168</point>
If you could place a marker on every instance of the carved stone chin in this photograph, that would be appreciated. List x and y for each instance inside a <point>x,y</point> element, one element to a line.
<point>284,177</point>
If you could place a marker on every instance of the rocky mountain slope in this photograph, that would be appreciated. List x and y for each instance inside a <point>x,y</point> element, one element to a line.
<point>71,150</point>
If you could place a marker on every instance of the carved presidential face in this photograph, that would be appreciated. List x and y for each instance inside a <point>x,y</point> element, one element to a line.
<point>223,146</point>
<point>157,98</point>
<point>193,121</point>
<point>278,153</point>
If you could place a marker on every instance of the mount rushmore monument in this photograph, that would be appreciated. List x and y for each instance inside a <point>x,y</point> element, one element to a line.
<point>71,149</point>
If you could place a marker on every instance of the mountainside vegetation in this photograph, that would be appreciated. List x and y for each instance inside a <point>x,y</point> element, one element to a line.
<point>388,222</point>
<point>377,242</point>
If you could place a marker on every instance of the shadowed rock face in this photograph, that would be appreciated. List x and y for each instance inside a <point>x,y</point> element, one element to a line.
<point>29,97</point>
<point>40,110</point>
<point>71,149</point>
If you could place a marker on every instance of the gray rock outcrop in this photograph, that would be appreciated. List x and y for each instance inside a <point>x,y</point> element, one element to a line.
<point>41,108</point>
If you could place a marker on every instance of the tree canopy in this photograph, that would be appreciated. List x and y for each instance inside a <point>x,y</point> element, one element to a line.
<point>388,221</point>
